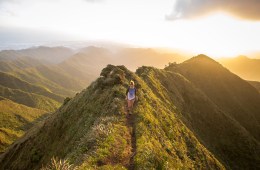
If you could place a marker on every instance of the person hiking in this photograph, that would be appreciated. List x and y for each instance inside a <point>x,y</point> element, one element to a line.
<point>131,96</point>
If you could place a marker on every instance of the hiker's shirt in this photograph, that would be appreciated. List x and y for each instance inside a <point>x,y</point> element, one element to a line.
<point>131,93</point>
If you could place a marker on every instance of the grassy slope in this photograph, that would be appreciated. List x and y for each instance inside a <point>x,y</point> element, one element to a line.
<point>163,140</point>
<point>60,77</point>
<point>87,65</point>
<point>8,55</point>
<point>221,134</point>
<point>233,95</point>
<point>33,76</point>
<point>30,82</point>
<point>255,84</point>
<point>38,73</point>
<point>14,120</point>
<point>10,81</point>
<point>29,99</point>
<point>50,54</point>
<point>95,133</point>
<point>15,114</point>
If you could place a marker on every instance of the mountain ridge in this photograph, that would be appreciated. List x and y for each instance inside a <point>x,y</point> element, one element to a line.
<point>49,54</point>
<point>177,123</point>
<point>111,85</point>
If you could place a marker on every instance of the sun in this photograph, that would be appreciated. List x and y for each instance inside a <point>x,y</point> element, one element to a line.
<point>216,35</point>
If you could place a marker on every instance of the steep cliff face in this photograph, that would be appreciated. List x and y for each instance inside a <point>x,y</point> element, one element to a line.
<point>175,125</point>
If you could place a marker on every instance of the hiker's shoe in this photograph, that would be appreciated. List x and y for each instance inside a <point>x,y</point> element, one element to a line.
<point>130,112</point>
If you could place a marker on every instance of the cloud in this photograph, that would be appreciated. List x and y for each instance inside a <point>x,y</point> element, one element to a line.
<point>94,1</point>
<point>247,9</point>
<point>3,1</point>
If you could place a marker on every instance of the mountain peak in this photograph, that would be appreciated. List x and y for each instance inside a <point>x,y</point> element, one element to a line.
<point>201,58</point>
<point>242,57</point>
<point>94,49</point>
<point>200,62</point>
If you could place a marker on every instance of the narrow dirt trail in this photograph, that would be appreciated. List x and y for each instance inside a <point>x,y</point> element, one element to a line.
<point>130,122</point>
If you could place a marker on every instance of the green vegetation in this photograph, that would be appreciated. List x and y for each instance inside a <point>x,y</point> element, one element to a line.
<point>163,141</point>
<point>186,118</point>
<point>50,77</point>
<point>50,54</point>
<point>15,119</point>
<point>30,82</point>
<point>58,165</point>
<point>12,82</point>
<point>29,99</point>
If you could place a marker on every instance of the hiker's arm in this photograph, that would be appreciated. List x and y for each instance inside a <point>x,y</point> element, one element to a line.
<point>136,97</point>
<point>127,91</point>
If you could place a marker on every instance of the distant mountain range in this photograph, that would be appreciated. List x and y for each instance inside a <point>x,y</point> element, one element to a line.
<point>192,115</point>
<point>247,68</point>
<point>50,54</point>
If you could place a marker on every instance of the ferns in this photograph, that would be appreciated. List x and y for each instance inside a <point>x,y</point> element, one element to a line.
<point>57,164</point>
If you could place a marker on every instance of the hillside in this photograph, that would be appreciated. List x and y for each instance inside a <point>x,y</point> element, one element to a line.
<point>30,77</point>
<point>15,119</point>
<point>29,99</point>
<point>255,84</point>
<point>224,89</point>
<point>19,63</point>
<point>24,98</point>
<point>234,117</point>
<point>247,68</point>
<point>49,54</point>
<point>13,82</point>
<point>87,63</point>
<point>177,123</point>
<point>98,133</point>
<point>48,76</point>
<point>72,72</point>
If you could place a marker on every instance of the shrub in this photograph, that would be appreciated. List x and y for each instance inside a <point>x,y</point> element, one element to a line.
<point>66,100</point>
<point>59,165</point>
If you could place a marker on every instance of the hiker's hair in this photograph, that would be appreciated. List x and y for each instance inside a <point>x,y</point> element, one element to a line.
<point>132,82</point>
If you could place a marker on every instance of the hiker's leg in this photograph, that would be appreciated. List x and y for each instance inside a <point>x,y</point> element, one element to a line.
<point>132,104</point>
<point>128,104</point>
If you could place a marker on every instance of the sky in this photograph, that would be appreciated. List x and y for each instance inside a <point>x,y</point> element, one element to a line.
<point>216,28</point>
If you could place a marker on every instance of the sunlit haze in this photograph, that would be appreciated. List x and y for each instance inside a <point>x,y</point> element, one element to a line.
<point>145,23</point>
